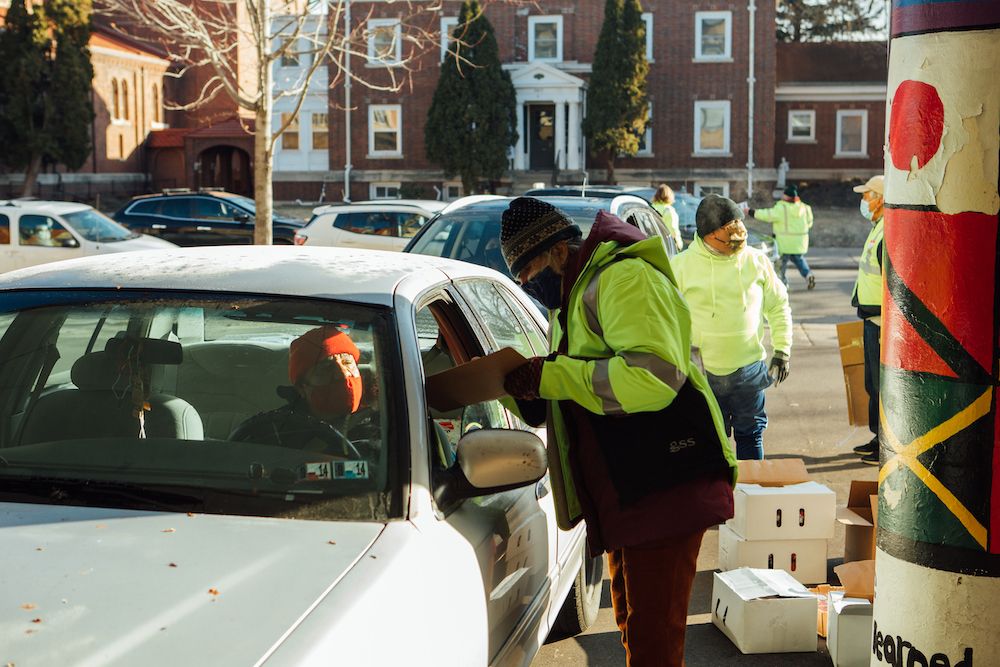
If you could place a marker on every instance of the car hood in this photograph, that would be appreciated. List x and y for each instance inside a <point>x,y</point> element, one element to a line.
<point>291,222</point>
<point>91,586</point>
<point>142,242</point>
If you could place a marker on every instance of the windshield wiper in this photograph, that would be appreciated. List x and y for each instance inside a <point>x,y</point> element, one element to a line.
<point>64,491</point>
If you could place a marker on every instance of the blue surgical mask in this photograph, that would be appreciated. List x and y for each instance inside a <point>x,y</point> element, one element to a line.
<point>546,288</point>
<point>866,211</point>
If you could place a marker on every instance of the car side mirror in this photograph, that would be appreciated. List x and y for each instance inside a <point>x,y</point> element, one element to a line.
<point>69,242</point>
<point>490,461</point>
<point>241,217</point>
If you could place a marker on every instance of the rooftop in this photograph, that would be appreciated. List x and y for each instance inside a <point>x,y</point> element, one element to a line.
<point>832,62</point>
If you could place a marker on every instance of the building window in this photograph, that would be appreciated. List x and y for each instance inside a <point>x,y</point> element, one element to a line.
<point>384,131</point>
<point>452,191</point>
<point>711,127</point>
<point>647,18</point>
<point>115,103</point>
<point>713,35</point>
<point>545,38</point>
<point>124,99</point>
<point>290,54</point>
<point>121,146</point>
<point>801,125</point>
<point>385,44</point>
<point>448,25</point>
<point>703,188</point>
<point>156,104</point>
<point>646,140</point>
<point>290,137</point>
<point>384,191</point>
<point>320,131</point>
<point>852,132</point>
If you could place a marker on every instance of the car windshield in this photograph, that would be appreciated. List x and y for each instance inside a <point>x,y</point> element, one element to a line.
<point>97,227</point>
<point>182,402</point>
<point>244,202</point>
<point>473,235</point>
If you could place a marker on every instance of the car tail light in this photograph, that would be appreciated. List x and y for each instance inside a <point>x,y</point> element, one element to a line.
<point>300,239</point>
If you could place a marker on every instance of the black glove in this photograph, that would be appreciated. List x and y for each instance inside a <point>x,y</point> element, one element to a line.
<point>523,381</point>
<point>778,370</point>
<point>750,212</point>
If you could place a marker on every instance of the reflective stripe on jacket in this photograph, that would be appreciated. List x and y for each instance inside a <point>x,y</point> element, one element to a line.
<point>791,224</point>
<point>730,298</point>
<point>868,287</point>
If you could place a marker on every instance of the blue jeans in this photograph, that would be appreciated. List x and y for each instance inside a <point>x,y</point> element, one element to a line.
<point>800,263</point>
<point>741,397</point>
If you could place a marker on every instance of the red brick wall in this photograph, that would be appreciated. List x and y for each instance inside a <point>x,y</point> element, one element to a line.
<point>819,154</point>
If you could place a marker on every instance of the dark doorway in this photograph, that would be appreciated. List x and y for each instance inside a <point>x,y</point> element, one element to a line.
<point>225,167</point>
<point>541,136</point>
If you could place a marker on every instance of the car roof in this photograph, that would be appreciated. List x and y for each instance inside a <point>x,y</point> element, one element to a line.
<point>349,274</point>
<point>427,205</point>
<point>564,202</point>
<point>42,206</point>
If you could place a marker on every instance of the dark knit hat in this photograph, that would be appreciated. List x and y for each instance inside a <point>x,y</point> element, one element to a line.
<point>792,191</point>
<point>528,228</point>
<point>715,212</point>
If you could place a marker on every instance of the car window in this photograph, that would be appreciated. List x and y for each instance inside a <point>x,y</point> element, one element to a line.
<point>410,224</point>
<point>176,207</point>
<point>4,230</point>
<point>205,208</point>
<point>45,232</point>
<point>372,222</point>
<point>535,335</point>
<point>145,207</point>
<point>97,227</point>
<point>504,327</point>
<point>104,394</point>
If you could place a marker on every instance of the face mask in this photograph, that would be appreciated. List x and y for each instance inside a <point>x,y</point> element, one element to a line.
<point>866,211</point>
<point>546,288</point>
<point>736,240</point>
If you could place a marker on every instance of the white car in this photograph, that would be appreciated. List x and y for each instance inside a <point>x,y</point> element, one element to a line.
<point>145,522</point>
<point>377,225</point>
<point>34,232</point>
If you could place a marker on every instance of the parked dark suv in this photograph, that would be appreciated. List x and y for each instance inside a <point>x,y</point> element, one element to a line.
<point>202,217</point>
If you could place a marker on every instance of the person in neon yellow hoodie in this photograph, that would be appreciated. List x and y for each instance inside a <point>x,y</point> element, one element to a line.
<point>732,290</point>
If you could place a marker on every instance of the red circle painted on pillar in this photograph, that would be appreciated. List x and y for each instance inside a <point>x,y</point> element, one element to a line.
<point>916,124</point>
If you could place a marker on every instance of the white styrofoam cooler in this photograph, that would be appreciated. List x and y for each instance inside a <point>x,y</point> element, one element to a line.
<point>803,559</point>
<point>764,611</point>
<point>803,511</point>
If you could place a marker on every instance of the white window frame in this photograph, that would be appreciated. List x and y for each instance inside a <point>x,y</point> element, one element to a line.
<point>699,17</point>
<point>448,185</point>
<point>374,187</point>
<point>648,134</point>
<point>712,104</point>
<point>372,108</point>
<point>812,125</point>
<point>312,130</point>
<point>711,184</point>
<point>294,54</point>
<point>534,21</point>
<point>448,25</point>
<point>647,18</point>
<point>373,26</point>
<point>846,113</point>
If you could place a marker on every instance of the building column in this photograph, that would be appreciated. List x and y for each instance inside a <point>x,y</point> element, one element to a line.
<point>521,139</point>
<point>573,149</point>
<point>560,128</point>
<point>938,548</point>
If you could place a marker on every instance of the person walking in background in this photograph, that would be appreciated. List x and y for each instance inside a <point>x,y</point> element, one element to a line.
<point>732,291</point>
<point>867,299</point>
<point>791,220</point>
<point>636,444</point>
<point>663,202</point>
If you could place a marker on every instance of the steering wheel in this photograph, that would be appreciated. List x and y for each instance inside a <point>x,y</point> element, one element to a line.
<point>296,431</point>
<point>333,438</point>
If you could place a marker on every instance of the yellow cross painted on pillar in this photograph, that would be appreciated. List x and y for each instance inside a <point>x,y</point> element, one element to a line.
<point>906,456</point>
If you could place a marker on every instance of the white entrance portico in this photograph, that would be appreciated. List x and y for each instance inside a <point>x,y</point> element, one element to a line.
<point>549,117</point>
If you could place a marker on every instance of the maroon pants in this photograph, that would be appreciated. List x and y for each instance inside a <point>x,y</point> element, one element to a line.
<point>650,589</point>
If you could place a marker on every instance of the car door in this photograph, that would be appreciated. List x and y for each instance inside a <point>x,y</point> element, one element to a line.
<point>373,229</point>
<point>143,217</point>
<point>214,223</point>
<point>43,238</point>
<point>178,225</point>
<point>507,531</point>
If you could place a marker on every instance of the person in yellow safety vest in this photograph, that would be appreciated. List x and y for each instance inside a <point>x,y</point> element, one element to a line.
<point>635,438</point>
<point>791,220</point>
<point>663,202</point>
<point>867,299</point>
<point>732,290</point>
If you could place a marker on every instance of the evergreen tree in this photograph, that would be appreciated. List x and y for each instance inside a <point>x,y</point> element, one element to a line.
<point>471,122</point>
<point>45,104</point>
<point>617,106</point>
<point>829,20</point>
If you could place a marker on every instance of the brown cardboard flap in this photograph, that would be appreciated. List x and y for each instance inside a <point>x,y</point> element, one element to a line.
<point>849,517</point>
<point>773,472</point>
<point>859,496</point>
<point>858,579</point>
<point>850,337</point>
<point>474,382</point>
<point>873,501</point>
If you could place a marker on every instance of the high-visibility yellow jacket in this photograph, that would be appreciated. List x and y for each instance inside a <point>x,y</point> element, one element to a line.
<point>671,220</point>
<point>791,224</point>
<point>730,298</point>
<point>868,286</point>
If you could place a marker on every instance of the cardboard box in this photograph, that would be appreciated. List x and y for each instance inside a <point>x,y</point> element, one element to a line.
<point>859,519</point>
<point>764,611</point>
<point>772,472</point>
<point>803,559</point>
<point>850,631</point>
<point>850,336</point>
<point>803,511</point>
<point>473,382</point>
<point>822,593</point>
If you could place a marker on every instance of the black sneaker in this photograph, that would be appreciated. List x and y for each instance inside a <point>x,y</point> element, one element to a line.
<point>870,459</point>
<point>870,447</point>
<point>810,281</point>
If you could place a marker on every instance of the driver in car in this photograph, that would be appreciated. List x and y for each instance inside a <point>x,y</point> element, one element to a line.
<point>326,390</point>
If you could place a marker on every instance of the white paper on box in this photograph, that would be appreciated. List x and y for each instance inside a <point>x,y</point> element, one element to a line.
<point>764,611</point>
<point>849,635</point>
<point>803,511</point>
<point>803,559</point>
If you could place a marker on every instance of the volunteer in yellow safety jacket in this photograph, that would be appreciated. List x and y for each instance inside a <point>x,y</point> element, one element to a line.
<point>663,202</point>
<point>867,299</point>
<point>791,219</point>
<point>732,290</point>
<point>636,440</point>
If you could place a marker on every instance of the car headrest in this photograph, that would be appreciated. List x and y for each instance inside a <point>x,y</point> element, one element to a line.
<point>96,371</point>
<point>151,350</point>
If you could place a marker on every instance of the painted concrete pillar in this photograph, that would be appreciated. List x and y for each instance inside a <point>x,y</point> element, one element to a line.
<point>560,128</point>
<point>521,139</point>
<point>938,557</point>
<point>575,130</point>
